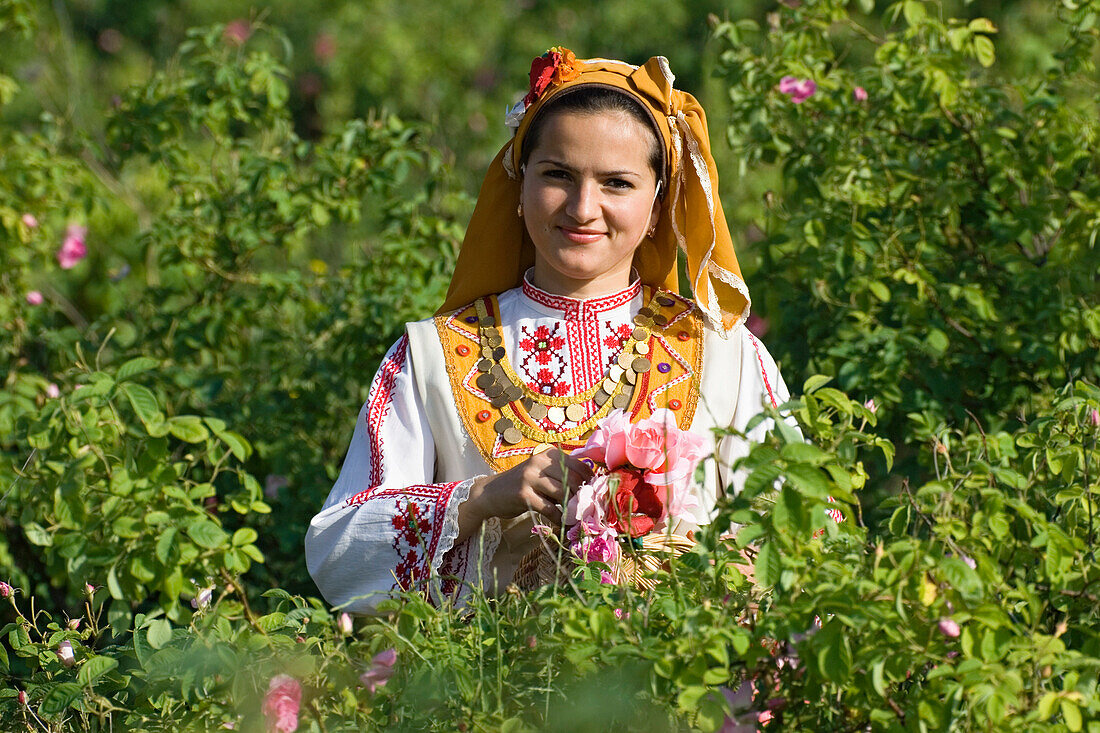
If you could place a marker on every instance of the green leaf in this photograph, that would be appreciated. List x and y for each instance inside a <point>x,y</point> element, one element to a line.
<point>1071,714</point>
<point>95,668</point>
<point>166,544</point>
<point>188,428</point>
<point>914,12</point>
<point>983,51</point>
<point>879,290</point>
<point>206,534</point>
<point>159,633</point>
<point>244,536</point>
<point>768,565</point>
<point>814,383</point>
<point>145,407</point>
<point>134,367</point>
<point>808,480</point>
<point>60,697</point>
<point>877,680</point>
<point>37,535</point>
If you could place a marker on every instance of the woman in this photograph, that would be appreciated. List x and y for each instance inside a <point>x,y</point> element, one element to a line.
<point>562,307</point>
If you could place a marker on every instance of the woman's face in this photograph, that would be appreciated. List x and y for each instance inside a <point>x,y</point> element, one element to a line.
<point>588,198</point>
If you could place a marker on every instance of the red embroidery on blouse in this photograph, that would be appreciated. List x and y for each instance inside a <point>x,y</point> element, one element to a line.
<point>763,373</point>
<point>574,309</point>
<point>378,405</point>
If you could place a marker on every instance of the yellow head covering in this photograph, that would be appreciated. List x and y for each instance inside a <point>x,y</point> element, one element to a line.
<point>497,249</point>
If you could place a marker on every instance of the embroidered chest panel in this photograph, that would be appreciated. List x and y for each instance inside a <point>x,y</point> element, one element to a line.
<point>513,405</point>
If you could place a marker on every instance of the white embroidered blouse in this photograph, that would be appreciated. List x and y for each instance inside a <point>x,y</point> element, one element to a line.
<point>391,519</point>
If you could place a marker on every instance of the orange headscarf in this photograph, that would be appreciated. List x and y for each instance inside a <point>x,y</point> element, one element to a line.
<point>497,249</point>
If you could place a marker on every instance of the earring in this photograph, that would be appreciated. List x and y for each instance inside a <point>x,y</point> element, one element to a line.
<point>519,210</point>
<point>652,231</point>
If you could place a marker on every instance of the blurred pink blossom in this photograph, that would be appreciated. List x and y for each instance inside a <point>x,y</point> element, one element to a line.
<point>621,614</point>
<point>22,697</point>
<point>74,624</point>
<point>284,696</point>
<point>860,94</point>
<point>73,248</point>
<point>870,405</point>
<point>237,31</point>
<point>89,589</point>
<point>607,578</point>
<point>757,325</point>
<point>65,653</point>
<point>34,297</point>
<point>532,642</point>
<point>799,90</point>
<point>53,391</point>
<point>344,624</point>
<point>949,628</point>
<point>1095,417</point>
<point>324,47</point>
<point>5,590</point>
<point>202,598</point>
<point>381,669</point>
<point>30,221</point>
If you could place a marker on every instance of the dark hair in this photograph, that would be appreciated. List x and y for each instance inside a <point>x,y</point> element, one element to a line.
<point>592,99</point>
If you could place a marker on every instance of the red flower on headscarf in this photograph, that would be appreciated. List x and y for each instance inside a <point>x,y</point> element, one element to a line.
<point>556,66</point>
<point>636,505</point>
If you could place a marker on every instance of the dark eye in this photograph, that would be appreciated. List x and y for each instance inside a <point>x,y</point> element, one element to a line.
<point>557,174</point>
<point>619,183</point>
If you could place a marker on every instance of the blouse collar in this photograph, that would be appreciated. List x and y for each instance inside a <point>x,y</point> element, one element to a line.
<point>569,309</point>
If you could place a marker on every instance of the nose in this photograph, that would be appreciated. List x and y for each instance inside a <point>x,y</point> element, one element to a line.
<point>583,204</point>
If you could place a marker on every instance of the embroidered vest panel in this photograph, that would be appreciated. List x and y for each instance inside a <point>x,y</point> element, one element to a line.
<point>675,353</point>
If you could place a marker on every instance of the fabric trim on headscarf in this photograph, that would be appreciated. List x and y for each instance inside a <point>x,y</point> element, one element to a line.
<point>497,249</point>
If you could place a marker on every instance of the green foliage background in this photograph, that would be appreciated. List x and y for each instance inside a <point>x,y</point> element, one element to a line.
<point>270,194</point>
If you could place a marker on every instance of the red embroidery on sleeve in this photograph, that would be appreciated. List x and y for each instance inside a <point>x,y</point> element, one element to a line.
<point>378,406</point>
<point>763,373</point>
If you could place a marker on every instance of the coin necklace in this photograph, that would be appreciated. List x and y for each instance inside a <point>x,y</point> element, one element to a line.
<point>505,388</point>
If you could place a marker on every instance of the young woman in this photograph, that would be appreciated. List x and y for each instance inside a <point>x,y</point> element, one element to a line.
<point>563,306</point>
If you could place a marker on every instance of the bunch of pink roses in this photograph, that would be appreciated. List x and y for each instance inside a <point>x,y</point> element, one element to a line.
<point>644,475</point>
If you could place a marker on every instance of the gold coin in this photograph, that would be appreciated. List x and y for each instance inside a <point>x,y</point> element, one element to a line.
<point>493,340</point>
<point>665,300</point>
<point>484,381</point>
<point>639,334</point>
<point>498,353</point>
<point>498,374</point>
<point>641,347</point>
<point>645,313</point>
<point>486,352</point>
<point>487,322</point>
<point>574,412</point>
<point>499,401</point>
<point>541,448</point>
<point>512,436</point>
<point>641,364</point>
<point>600,398</point>
<point>537,410</point>
<point>484,365</point>
<point>624,360</point>
<point>615,372</point>
<point>620,402</point>
<point>494,390</point>
<point>631,376</point>
<point>503,424</point>
<point>556,415</point>
<point>609,385</point>
<point>513,392</point>
<point>660,320</point>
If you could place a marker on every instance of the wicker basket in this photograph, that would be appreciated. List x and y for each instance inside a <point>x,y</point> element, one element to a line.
<point>540,566</point>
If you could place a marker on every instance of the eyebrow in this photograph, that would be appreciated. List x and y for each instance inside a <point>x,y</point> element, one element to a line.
<point>605,174</point>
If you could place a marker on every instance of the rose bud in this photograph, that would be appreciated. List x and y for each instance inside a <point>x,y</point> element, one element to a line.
<point>65,653</point>
<point>343,623</point>
<point>949,628</point>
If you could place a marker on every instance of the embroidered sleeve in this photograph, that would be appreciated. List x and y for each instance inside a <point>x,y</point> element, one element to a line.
<point>386,524</point>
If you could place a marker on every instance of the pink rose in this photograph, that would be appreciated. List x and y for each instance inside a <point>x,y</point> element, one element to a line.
<point>344,624</point>
<point>758,326</point>
<point>588,504</point>
<point>237,32</point>
<point>284,696</point>
<point>66,654</point>
<point>607,578</point>
<point>22,698</point>
<point>1095,417</point>
<point>5,590</point>
<point>381,669</point>
<point>29,221</point>
<point>949,628</point>
<point>73,249</point>
<point>34,297</point>
<point>645,445</point>
<point>860,94</point>
<point>870,405</point>
<point>74,624</point>
<point>799,90</point>
<point>607,445</point>
<point>53,391</point>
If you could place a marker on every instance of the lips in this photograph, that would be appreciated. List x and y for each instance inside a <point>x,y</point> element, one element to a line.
<point>581,236</point>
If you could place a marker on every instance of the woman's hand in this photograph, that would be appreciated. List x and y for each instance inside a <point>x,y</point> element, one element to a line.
<point>537,484</point>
